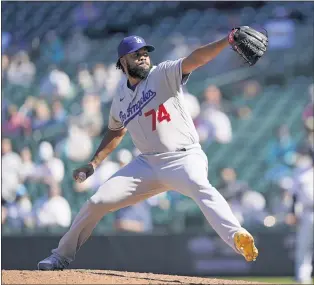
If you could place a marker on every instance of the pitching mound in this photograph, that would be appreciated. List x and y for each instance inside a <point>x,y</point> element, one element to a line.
<point>103,277</point>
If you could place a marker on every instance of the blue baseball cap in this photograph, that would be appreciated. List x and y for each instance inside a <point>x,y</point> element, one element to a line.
<point>131,44</point>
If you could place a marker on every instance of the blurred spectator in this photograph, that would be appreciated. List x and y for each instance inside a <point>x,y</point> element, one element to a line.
<point>281,153</point>
<point>62,82</point>
<point>18,213</point>
<point>212,99</point>
<point>11,163</point>
<point>27,108</point>
<point>28,166</point>
<point>50,167</point>
<point>164,200</point>
<point>233,190</point>
<point>6,38</point>
<point>310,143</point>
<point>77,146</point>
<point>111,82</point>
<point>135,218</point>
<point>21,71</point>
<point>58,112</point>
<point>308,121</point>
<point>77,47</point>
<point>35,51</point>
<point>85,14</point>
<point>91,118</point>
<point>5,62</point>
<point>242,105</point>
<point>106,80</point>
<point>308,113</point>
<point>100,74</point>
<point>17,123</point>
<point>229,185</point>
<point>253,208</point>
<point>9,158</point>
<point>4,212</point>
<point>85,79</point>
<point>301,186</point>
<point>53,49</point>
<point>192,104</point>
<point>213,121</point>
<point>42,115</point>
<point>52,209</point>
<point>205,131</point>
<point>57,83</point>
<point>4,109</point>
<point>251,89</point>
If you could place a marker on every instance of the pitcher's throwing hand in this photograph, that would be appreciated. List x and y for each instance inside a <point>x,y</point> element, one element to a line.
<point>82,173</point>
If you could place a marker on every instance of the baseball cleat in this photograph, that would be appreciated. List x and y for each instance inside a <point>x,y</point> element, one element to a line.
<point>53,262</point>
<point>244,243</point>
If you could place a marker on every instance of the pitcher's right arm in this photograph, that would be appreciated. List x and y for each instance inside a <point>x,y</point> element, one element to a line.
<point>108,144</point>
<point>110,141</point>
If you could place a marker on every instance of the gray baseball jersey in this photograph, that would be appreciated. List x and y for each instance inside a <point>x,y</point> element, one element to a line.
<point>155,113</point>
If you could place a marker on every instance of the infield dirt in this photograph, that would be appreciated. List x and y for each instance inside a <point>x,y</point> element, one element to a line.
<point>104,277</point>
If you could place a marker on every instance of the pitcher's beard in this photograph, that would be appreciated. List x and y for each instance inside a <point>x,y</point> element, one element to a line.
<point>138,71</point>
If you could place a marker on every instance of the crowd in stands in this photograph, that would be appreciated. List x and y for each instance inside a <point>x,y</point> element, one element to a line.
<point>73,109</point>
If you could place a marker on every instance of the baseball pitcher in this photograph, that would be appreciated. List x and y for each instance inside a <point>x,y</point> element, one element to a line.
<point>150,105</point>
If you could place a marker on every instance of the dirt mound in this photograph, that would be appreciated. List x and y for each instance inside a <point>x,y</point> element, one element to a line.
<point>103,277</point>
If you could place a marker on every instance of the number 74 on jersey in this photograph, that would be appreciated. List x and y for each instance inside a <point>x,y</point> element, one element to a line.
<point>160,115</point>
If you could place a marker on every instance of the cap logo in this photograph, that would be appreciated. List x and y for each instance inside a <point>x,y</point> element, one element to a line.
<point>138,40</point>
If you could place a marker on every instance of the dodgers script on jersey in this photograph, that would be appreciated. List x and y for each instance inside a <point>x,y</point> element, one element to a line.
<point>155,113</point>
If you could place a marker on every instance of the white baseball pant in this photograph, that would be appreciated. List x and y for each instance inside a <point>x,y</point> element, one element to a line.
<point>147,175</point>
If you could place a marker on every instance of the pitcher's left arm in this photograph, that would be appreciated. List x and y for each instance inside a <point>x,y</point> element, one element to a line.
<point>245,41</point>
<point>203,55</point>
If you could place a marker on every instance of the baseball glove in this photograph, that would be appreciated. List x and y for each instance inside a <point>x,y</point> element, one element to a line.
<point>248,43</point>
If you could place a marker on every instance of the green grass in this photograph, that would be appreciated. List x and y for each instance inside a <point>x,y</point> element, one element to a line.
<point>272,280</point>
